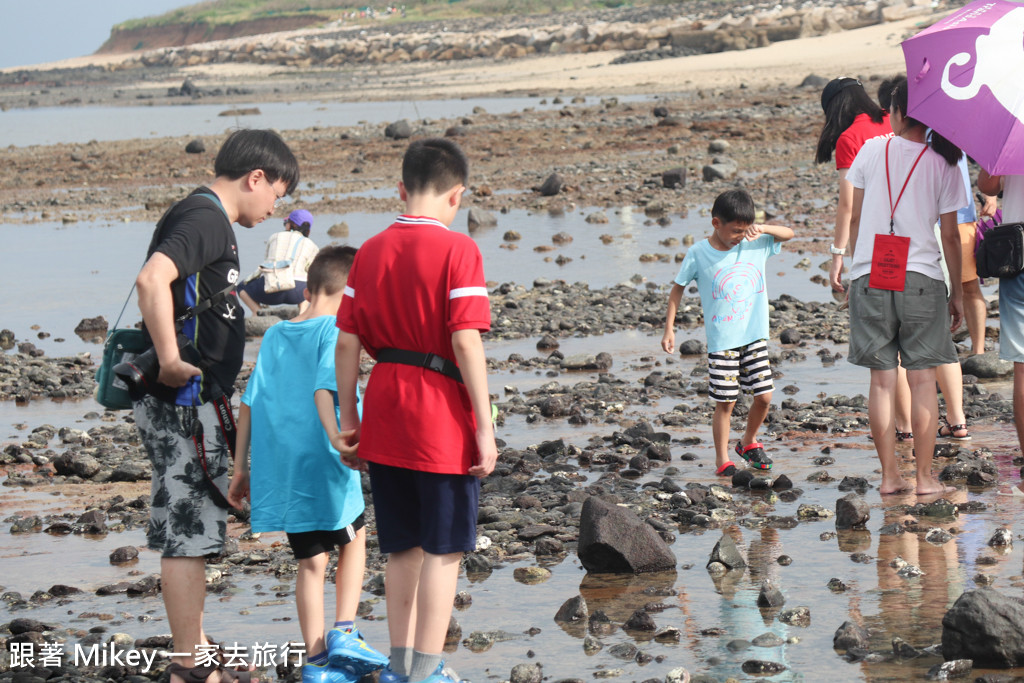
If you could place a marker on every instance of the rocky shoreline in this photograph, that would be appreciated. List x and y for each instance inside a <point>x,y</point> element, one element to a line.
<point>532,507</point>
<point>634,454</point>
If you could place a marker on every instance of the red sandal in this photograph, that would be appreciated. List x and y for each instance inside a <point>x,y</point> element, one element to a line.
<point>754,455</point>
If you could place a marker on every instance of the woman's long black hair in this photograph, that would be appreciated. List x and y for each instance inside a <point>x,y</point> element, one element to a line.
<point>943,147</point>
<point>840,112</point>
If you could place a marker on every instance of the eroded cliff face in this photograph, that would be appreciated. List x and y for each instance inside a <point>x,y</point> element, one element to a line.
<point>177,35</point>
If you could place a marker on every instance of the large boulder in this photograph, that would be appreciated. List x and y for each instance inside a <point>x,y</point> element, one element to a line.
<point>986,626</point>
<point>615,540</point>
<point>987,366</point>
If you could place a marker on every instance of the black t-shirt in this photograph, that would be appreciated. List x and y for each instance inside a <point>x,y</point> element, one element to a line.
<point>196,235</point>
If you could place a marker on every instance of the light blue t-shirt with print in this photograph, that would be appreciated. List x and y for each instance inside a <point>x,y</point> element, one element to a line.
<point>297,481</point>
<point>732,290</point>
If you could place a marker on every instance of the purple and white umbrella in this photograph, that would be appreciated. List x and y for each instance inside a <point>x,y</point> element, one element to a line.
<point>966,81</point>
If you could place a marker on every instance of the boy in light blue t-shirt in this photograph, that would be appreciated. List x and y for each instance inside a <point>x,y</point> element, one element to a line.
<point>298,483</point>
<point>729,270</point>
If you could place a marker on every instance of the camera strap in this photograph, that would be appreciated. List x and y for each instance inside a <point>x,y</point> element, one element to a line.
<point>204,305</point>
<point>227,428</point>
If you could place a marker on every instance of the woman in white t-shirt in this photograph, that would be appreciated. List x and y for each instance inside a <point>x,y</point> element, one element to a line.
<point>898,303</point>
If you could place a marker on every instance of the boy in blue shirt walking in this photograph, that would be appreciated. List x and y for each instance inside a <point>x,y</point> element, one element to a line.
<point>729,270</point>
<point>298,483</point>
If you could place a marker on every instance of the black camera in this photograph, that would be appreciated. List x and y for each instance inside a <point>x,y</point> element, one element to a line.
<point>140,373</point>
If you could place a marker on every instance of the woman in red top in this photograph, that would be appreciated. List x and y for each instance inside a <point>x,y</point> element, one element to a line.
<point>851,118</point>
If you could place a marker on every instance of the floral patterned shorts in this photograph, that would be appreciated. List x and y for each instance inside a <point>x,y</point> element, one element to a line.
<point>183,519</point>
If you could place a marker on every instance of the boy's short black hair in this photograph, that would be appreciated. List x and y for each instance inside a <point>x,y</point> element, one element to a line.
<point>434,164</point>
<point>329,271</point>
<point>734,205</point>
<point>249,149</point>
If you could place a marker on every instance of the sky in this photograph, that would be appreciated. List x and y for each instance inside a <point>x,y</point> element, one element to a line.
<point>36,31</point>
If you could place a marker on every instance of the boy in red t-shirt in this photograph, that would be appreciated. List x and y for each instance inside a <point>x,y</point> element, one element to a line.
<point>416,300</point>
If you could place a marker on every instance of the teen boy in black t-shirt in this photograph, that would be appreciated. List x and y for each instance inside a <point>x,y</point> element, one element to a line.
<point>193,256</point>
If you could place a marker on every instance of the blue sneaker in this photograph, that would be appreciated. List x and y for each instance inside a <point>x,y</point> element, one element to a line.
<point>313,673</point>
<point>442,675</point>
<point>389,676</point>
<point>348,651</point>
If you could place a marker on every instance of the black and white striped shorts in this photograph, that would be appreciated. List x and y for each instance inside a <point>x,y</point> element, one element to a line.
<point>746,367</point>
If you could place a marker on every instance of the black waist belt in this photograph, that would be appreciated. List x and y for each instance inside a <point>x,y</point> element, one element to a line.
<point>417,359</point>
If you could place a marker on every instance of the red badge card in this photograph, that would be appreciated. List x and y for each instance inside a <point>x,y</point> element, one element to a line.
<point>889,263</point>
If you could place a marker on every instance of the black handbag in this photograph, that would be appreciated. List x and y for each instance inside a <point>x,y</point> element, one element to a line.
<point>1001,252</point>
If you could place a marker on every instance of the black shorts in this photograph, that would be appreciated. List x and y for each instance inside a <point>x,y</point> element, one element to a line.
<point>309,544</point>
<point>436,512</point>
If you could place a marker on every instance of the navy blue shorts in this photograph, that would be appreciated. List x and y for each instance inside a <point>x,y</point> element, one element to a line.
<point>436,512</point>
<point>289,297</point>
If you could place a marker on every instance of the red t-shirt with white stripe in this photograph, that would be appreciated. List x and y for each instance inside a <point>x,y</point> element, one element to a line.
<point>410,288</point>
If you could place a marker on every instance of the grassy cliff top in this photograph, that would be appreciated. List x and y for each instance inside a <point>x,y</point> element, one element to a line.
<point>217,12</point>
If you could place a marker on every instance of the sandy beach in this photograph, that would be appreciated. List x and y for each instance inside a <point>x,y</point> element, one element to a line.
<point>861,52</point>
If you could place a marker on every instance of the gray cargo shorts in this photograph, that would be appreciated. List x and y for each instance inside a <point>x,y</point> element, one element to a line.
<point>909,328</point>
<point>183,519</point>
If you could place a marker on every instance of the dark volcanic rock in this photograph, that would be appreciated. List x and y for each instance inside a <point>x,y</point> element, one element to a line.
<point>572,610</point>
<point>480,218</point>
<point>692,347</point>
<point>78,464</point>
<point>852,511</point>
<point>770,595</point>
<point>640,621</point>
<point>850,636</point>
<point>22,625</point>
<point>726,552</point>
<point>554,406</point>
<point>551,186</point>
<point>986,626</point>
<point>123,554</point>
<point>97,324</point>
<point>196,146</point>
<point>398,130</point>
<point>958,668</point>
<point>790,335</point>
<point>547,343</point>
<point>526,673</point>
<point>614,540</point>
<point>675,177</point>
<point>762,667</point>
<point>987,366</point>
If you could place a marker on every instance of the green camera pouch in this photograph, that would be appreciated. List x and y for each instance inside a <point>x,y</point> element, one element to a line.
<point>121,344</point>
